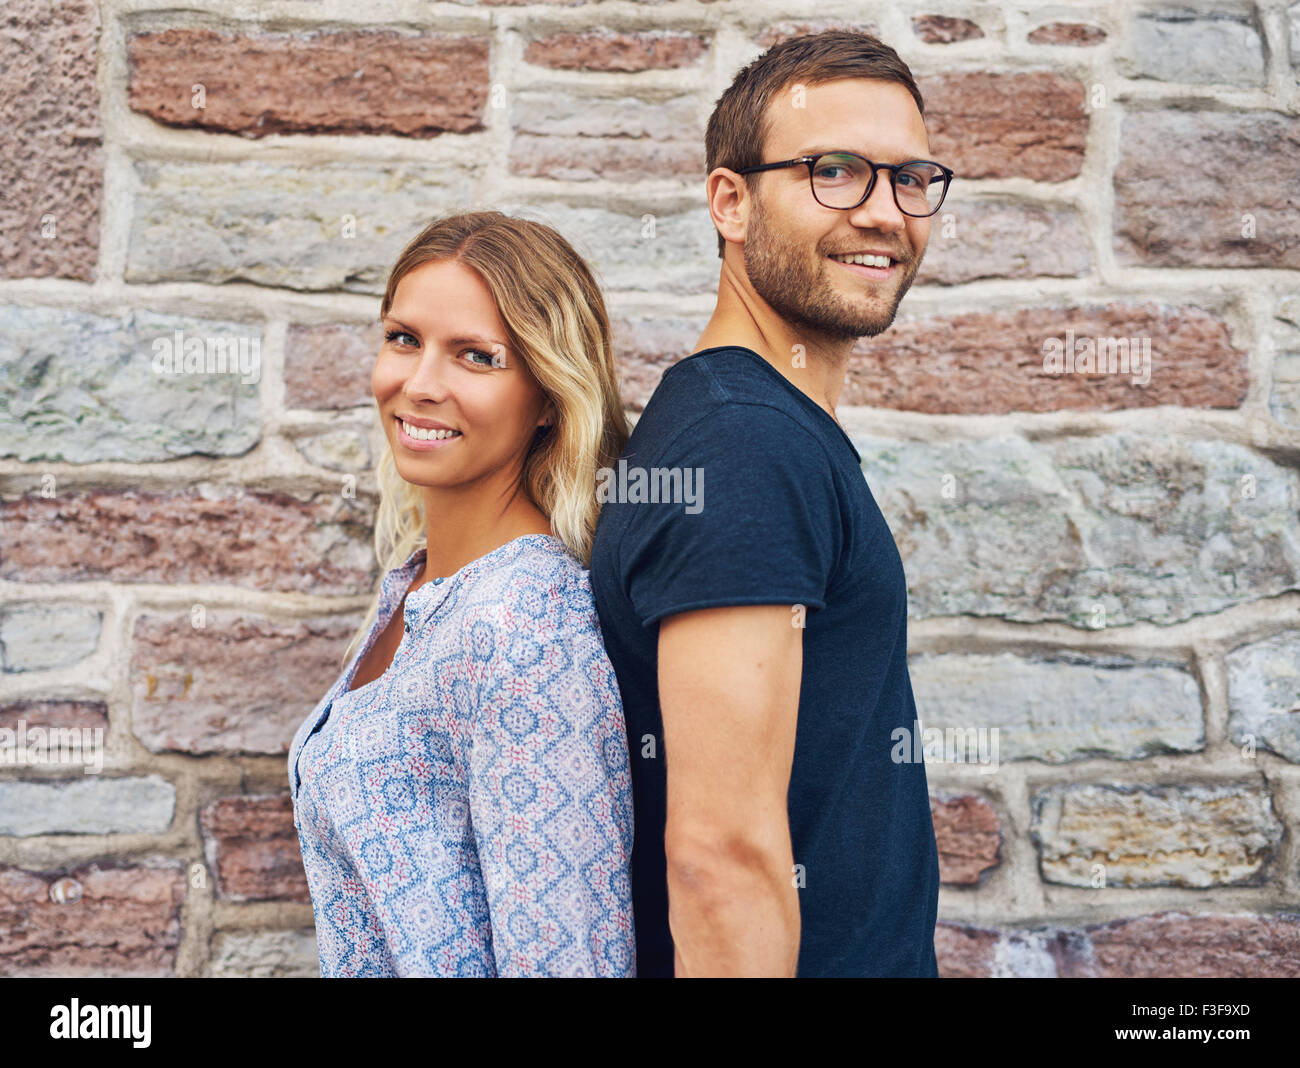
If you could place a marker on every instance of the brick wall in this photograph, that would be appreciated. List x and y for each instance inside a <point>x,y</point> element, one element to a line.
<point>1102,570</point>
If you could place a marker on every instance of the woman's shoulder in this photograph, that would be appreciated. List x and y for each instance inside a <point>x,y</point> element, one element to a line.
<point>535,575</point>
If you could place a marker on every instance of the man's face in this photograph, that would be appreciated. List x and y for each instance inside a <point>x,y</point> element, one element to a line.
<point>791,240</point>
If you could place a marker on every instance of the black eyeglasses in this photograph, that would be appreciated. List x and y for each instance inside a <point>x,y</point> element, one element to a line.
<point>843,180</point>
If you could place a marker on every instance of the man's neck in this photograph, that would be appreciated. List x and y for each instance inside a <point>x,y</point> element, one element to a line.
<point>816,366</point>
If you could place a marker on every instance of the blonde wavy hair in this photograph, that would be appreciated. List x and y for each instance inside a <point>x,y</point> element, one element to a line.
<point>556,323</point>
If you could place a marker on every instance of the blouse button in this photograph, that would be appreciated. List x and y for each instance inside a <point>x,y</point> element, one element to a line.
<point>436,581</point>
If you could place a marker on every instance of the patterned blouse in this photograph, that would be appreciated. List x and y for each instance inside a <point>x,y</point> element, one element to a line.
<point>469,812</point>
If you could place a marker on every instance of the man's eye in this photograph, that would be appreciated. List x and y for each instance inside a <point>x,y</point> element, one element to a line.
<point>393,335</point>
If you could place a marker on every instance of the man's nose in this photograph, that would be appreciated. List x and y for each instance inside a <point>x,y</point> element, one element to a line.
<point>879,211</point>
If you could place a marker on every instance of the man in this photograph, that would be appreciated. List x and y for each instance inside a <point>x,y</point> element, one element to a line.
<point>759,635</point>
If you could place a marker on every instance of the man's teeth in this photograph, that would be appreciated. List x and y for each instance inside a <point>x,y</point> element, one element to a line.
<point>423,434</point>
<point>865,261</point>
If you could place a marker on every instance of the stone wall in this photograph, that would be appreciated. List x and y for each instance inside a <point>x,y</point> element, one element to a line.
<point>1103,566</point>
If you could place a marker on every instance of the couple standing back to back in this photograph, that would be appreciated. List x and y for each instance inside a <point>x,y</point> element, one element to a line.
<point>479,793</point>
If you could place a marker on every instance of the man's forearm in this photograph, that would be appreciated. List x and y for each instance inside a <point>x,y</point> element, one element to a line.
<point>733,916</point>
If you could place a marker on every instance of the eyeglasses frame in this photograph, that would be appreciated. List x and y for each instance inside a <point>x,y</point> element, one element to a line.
<point>893,168</point>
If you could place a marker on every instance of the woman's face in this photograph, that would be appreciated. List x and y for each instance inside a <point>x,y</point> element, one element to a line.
<point>445,363</point>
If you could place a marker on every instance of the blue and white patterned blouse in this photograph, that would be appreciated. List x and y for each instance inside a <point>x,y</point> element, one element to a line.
<point>469,812</point>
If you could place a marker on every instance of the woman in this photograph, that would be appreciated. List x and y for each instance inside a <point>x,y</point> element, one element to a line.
<point>462,793</point>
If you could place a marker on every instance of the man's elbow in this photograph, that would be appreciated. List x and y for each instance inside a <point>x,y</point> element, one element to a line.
<point>723,863</point>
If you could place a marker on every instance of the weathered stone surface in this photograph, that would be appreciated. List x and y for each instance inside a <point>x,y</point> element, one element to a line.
<point>619,138</point>
<point>1099,531</point>
<point>645,347</point>
<point>1264,695</point>
<point>88,804</point>
<point>609,50</point>
<point>252,845</point>
<point>673,252</point>
<point>1171,945</point>
<point>81,715</point>
<point>1186,835</point>
<point>120,920</point>
<point>1284,400</point>
<point>329,366</point>
<point>1067,33</point>
<point>1003,239</point>
<point>211,534</point>
<point>37,637</point>
<point>1177,945</point>
<point>264,955</point>
<point>776,32</point>
<point>964,952</point>
<point>350,82</point>
<point>1219,48</point>
<point>86,388</point>
<point>238,684</point>
<point>994,362</point>
<point>283,226</point>
<point>339,450</point>
<point>1062,709</point>
<point>51,142</point>
<point>944,29</point>
<point>968,835</point>
<point>1213,167</point>
<point>980,126</point>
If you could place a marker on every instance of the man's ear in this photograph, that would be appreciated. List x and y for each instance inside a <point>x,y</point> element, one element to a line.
<point>728,199</point>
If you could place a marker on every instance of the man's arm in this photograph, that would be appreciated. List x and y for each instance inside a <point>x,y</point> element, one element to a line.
<point>729,693</point>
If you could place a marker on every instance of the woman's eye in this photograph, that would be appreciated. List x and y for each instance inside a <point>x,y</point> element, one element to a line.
<point>393,335</point>
<point>488,359</point>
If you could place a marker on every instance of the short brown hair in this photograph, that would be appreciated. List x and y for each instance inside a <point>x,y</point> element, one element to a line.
<point>738,127</point>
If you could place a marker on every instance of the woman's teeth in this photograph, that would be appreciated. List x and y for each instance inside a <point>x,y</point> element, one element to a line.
<point>420,433</point>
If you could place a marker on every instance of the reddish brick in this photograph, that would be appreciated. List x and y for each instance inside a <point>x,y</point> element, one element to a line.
<point>183,679</point>
<point>57,714</point>
<point>988,125</point>
<point>329,366</point>
<point>969,838</point>
<point>1180,946</point>
<point>252,847</point>
<point>992,362</point>
<point>1067,33</point>
<point>964,952</point>
<point>942,29</point>
<point>113,920</point>
<point>51,143</point>
<point>368,82</point>
<point>243,538</point>
<point>783,31</point>
<point>608,50</point>
<point>1203,188</point>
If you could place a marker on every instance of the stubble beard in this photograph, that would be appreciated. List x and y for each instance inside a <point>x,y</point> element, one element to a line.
<point>779,271</point>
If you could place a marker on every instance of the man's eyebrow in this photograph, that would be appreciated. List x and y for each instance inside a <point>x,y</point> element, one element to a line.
<point>902,157</point>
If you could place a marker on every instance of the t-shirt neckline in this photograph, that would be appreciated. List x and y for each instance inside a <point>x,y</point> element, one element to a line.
<point>800,394</point>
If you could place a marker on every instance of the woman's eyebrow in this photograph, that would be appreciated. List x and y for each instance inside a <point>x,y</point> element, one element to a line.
<point>397,322</point>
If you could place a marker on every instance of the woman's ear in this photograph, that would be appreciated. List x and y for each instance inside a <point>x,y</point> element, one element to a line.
<point>547,418</point>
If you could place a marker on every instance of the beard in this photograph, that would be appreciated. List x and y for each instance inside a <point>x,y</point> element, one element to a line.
<point>799,291</point>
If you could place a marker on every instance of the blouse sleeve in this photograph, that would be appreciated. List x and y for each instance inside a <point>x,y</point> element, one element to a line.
<point>550,787</point>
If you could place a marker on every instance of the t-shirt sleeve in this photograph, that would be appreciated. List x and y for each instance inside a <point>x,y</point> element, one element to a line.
<point>762,525</point>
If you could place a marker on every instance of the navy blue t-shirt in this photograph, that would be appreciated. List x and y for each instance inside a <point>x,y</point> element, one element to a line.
<point>782,515</point>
